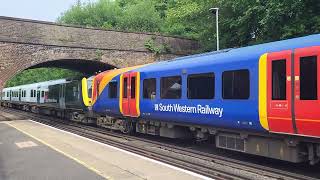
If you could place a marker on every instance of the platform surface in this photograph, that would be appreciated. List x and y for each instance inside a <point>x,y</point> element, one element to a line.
<point>61,155</point>
<point>24,158</point>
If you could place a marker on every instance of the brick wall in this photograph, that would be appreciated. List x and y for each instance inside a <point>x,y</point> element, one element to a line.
<point>26,43</point>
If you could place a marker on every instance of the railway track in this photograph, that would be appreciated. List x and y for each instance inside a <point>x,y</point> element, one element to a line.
<point>210,165</point>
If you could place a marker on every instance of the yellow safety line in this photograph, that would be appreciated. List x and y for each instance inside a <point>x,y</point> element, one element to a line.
<point>60,151</point>
<point>289,119</point>
<point>283,118</point>
<point>311,120</point>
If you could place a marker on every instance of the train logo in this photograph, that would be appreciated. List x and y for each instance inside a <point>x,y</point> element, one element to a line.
<point>199,109</point>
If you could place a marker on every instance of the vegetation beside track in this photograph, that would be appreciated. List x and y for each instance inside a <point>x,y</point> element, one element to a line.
<point>242,22</point>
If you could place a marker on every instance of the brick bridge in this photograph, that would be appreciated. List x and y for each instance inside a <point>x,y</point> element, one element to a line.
<point>29,44</point>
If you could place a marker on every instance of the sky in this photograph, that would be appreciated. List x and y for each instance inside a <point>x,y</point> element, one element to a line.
<point>45,10</point>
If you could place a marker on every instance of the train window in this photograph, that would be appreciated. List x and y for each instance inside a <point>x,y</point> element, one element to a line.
<point>236,84</point>
<point>90,84</point>
<point>90,91</point>
<point>113,93</point>
<point>149,88</point>
<point>308,78</point>
<point>133,87</point>
<point>201,86</point>
<point>42,93</point>
<point>171,87</point>
<point>125,87</point>
<point>279,80</point>
<point>31,93</point>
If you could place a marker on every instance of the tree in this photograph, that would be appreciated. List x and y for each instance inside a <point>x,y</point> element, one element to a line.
<point>242,22</point>
<point>103,13</point>
<point>141,16</point>
<point>41,74</point>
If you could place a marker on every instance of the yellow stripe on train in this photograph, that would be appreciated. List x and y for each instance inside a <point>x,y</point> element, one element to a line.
<point>263,91</point>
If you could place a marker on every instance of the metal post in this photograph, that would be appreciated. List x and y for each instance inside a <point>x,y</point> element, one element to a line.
<point>217,24</point>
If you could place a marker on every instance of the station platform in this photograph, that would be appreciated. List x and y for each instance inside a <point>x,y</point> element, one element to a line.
<point>30,150</point>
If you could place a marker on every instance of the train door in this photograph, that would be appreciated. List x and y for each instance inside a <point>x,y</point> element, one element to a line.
<point>279,96</point>
<point>19,94</point>
<point>38,96</point>
<point>130,94</point>
<point>10,95</point>
<point>307,90</point>
<point>62,98</point>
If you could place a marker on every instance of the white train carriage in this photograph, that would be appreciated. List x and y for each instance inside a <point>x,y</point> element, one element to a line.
<point>30,93</point>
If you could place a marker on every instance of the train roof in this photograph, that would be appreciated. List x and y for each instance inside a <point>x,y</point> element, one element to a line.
<point>44,83</point>
<point>249,53</point>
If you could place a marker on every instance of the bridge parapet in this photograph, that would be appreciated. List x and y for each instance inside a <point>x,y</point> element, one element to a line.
<point>47,33</point>
<point>28,43</point>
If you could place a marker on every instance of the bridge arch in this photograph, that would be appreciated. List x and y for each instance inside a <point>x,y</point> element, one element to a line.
<point>87,67</point>
<point>28,44</point>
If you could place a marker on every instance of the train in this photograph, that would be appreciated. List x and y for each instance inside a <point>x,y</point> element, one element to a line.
<point>261,99</point>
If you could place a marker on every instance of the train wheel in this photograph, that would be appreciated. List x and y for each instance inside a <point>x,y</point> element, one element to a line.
<point>128,127</point>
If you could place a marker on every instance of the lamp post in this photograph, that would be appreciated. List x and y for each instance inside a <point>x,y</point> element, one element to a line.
<point>216,10</point>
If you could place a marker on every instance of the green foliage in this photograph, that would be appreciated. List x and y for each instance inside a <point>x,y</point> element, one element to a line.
<point>246,22</point>
<point>192,19</point>
<point>121,14</point>
<point>241,22</point>
<point>141,17</point>
<point>104,13</point>
<point>151,45</point>
<point>99,55</point>
<point>41,74</point>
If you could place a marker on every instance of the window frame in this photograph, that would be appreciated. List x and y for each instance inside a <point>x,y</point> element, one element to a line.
<point>133,88</point>
<point>201,75</point>
<point>125,87</point>
<point>223,85</point>
<point>303,96</point>
<point>116,90</point>
<point>273,98</point>
<point>143,88</point>
<point>161,82</point>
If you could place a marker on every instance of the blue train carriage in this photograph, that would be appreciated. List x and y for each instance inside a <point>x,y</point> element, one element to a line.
<point>243,97</point>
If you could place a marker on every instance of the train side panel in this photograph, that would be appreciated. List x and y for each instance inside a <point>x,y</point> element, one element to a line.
<point>241,114</point>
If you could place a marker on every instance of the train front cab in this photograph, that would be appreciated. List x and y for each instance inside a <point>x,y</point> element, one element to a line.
<point>289,96</point>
